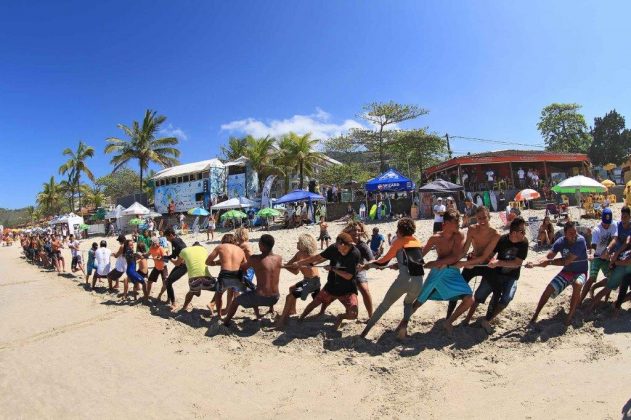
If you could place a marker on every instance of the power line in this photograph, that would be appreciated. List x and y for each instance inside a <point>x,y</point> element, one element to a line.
<point>510,143</point>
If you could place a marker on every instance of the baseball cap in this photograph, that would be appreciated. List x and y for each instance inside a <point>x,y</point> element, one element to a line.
<point>607,216</point>
<point>439,199</point>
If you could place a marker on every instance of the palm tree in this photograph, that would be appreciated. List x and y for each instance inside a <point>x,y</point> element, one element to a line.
<point>260,153</point>
<point>50,197</point>
<point>235,149</point>
<point>75,166</point>
<point>301,152</point>
<point>94,196</point>
<point>143,145</point>
<point>283,160</point>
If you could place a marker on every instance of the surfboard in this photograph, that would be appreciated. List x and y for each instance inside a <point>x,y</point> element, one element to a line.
<point>373,212</point>
<point>493,201</point>
<point>478,200</point>
<point>486,198</point>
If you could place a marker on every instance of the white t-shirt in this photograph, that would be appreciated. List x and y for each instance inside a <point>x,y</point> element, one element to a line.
<point>102,259</point>
<point>121,263</point>
<point>490,175</point>
<point>520,174</point>
<point>602,237</point>
<point>439,208</point>
<point>74,248</point>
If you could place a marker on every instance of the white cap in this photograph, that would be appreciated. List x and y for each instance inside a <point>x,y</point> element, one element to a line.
<point>439,199</point>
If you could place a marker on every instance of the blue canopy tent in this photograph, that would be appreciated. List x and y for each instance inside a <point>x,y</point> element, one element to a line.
<point>298,196</point>
<point>389,181</point>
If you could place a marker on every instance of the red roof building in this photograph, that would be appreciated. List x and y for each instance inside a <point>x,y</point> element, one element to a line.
<point>550,166</point>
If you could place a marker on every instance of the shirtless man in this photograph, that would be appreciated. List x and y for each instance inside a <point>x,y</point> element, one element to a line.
<point>444,281</point>
<point>310,284</point>
<point>483,238</point>
<point>267,267</point>
<point>229,256</point>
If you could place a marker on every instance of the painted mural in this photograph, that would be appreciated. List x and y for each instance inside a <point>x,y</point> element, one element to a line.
<point>182,194</point>
<point>235,186</point>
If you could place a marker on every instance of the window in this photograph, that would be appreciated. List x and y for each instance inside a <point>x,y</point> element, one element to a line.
<point>179,179</point>
<point>167,181</point>
<point>199,197</point>
<point>199,176</point>
<point>185,178</point>
<point>205,175</point>
<point>173,180</point>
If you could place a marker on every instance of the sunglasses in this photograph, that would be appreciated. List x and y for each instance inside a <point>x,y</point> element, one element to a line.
<point>340,242</point>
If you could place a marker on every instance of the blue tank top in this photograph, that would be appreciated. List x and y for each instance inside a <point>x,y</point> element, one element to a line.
<point>623,234</point>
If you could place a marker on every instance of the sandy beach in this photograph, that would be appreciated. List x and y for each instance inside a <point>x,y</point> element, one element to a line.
<point>70,353</point>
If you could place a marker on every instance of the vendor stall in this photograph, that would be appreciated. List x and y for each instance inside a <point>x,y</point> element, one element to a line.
<point>390,181</point>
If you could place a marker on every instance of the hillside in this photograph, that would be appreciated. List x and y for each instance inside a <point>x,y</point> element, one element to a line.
<point>11,218</point>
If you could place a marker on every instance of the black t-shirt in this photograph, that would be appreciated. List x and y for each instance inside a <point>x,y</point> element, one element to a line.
<point>336,285</point>
<point>508,251</point>
<point>178,245</point>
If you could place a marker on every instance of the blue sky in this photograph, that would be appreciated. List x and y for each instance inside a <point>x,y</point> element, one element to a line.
<point>73,70</point>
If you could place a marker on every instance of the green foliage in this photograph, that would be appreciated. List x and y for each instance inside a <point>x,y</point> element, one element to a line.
<point>118,184</point>
<point>50,199</point>
<point>74,167</point>
<point>142,145</point>
<point>340,175</point>
<point>94,196</point>
<point>300,154</point>
<point>411,151</point>
<point>235,149</point>
<point>13,217</point>
<point>260,152</point>
<point>611,140</point>
<point>564,129</point>
<point>382,115</point>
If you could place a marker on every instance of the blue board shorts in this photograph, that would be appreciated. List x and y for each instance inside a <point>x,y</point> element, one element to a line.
<point>444,284</point>
<point>564,279</point>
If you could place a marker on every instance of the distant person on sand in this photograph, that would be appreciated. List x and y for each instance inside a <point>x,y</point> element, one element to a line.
<point>439,211</point>
<point>324,233</point>
<point>91,264</point>
<point>344,258</point>
<point>409,282</point>
<point>103,263</point>
<point>229,256</point>
<point>310,284</point>
<point>267,267</point>
<point>573,249</point>
<point>376,242</point>
<point>502,273</point>
<point>77,261</point>
<point>444,281</point>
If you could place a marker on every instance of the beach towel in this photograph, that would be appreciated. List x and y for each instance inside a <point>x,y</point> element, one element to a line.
<point>444,284</point>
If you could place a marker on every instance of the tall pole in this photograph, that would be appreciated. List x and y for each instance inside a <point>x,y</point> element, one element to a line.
<point>448,145</point>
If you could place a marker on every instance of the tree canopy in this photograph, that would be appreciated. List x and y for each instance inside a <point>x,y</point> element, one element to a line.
<point>564,129</point>
<point>611,140</point>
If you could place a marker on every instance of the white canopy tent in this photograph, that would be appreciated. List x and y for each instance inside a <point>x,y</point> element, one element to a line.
<point>116,213</point>
<point>70,221</point>
<point>136,209</point>
<point>235,203</point>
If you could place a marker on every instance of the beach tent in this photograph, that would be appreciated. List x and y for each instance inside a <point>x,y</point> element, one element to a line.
<point>390,181</point>
<point>299,195</point>
<point>116,213</point>
<point>235,203</point>
<point>136,209</point>
<point>440,186</point>
<point>580,184</point>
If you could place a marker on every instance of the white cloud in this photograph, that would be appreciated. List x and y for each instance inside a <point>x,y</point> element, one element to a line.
<point>171,131</point>
<point>318,124</point>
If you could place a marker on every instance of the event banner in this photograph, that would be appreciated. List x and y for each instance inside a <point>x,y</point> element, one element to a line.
<point>267,187</point>
<point>236,186</point>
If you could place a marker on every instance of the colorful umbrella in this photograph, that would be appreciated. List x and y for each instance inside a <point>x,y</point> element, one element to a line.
<point>233,214</point>
<point>527,194</point>
<point>136,221</point>
<point>83,226</point>
<point>268,212</point>
<point>608,183</point>
<point>579,183</point>
<point>198,211</point>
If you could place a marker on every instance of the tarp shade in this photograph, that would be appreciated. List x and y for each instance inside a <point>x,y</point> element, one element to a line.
<point>440,186</point>
<point>299,195</point>
<point>390,181</point>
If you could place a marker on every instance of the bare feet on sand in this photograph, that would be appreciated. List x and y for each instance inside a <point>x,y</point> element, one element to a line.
<point>486,325</point>
<point>449,329</point>
<point>338,323</point>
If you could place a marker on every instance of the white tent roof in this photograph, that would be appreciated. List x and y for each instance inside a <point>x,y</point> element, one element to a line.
<point>235,203</point>
<point>116,213</point>
<point>188,168</point>
<point>135,209</point>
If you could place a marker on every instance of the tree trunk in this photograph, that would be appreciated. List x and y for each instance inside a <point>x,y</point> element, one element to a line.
<point>79,192</point>
<point>382,163</point>
<point>301,175</point>
<point>141,178</point>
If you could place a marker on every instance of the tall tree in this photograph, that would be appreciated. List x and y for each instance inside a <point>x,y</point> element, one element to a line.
<point>119,184</point>
<point>75,166</point>
<point>94,196</point>
<point>50,199</point>
<point>282,160</point>
<point>611,140</point>
<point>141,144</point>
<point>260,153</point>
<point>301,152</point>
<point>415,150</point>
<point>564,129</point>
<point>235,148</point>
<point>381,115</point>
